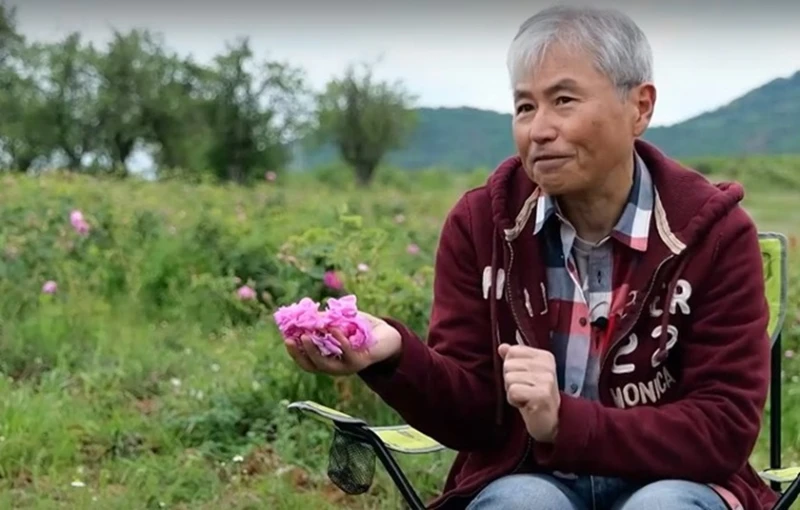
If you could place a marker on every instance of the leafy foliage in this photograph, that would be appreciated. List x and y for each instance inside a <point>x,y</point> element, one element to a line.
<point>364,119</point>
<point>68,104</point>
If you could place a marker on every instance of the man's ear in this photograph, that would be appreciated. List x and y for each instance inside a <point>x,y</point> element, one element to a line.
<point>643,101</point>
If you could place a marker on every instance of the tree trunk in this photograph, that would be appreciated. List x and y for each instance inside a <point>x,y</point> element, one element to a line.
<point>364,173</point>
<point>23,164</point>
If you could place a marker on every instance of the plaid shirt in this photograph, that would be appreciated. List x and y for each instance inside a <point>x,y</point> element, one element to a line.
<point>582,280</point>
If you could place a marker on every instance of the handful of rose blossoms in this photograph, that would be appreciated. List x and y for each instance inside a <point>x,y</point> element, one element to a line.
<point>305,318</point>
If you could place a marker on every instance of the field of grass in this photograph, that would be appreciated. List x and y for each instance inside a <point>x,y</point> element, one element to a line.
<point>144,380</point>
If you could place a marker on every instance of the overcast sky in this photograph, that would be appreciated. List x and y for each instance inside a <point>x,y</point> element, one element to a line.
<point>453,53</point>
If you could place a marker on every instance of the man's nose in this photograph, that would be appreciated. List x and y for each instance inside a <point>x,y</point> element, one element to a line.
<point>542,129</point>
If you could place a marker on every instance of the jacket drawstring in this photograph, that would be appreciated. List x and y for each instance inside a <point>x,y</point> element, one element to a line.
<point>496,365</point>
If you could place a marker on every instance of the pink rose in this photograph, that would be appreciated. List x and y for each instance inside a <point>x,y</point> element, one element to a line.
<point>305,318</point>
<point>79,223</point>
<point>332,280</point>
<point>246,293</point>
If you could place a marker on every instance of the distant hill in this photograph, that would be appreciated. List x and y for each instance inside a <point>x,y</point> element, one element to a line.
<point>766,120</point>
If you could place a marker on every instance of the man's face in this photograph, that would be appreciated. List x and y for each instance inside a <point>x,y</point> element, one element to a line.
<point>571,127</point>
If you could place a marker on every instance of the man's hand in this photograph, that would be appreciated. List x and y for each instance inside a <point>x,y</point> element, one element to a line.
<point>532,387</point>
<point>387,344</point>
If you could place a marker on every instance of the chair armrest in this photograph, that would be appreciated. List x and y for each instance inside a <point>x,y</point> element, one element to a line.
<point>355,446</point>
<point>790,475</point>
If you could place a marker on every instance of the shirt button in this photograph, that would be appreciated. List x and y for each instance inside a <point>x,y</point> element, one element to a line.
<point>582,321</point>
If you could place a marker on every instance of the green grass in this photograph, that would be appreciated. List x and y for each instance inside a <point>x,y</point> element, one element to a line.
<point>145,379</point>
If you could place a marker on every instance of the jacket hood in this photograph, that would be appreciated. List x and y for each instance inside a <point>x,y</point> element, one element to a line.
<point>686,203</point>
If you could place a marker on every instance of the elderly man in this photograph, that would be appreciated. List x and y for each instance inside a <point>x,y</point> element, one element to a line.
<point>597,338</point>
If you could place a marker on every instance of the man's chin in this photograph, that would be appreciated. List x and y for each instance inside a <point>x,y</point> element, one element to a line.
<point>554,189</point>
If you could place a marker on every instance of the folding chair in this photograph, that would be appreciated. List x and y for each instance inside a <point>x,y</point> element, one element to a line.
<point>356,444</point>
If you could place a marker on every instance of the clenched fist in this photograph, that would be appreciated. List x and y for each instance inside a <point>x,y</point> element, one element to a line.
<point>532,387</point>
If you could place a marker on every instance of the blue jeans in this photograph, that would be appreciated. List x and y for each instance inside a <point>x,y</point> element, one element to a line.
<point>545,492</point>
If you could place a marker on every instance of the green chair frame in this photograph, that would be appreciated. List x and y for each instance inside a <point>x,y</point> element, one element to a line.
<point>403,439</point>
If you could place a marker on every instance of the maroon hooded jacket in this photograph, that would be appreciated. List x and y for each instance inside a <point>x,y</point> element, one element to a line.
<point>695,415</point>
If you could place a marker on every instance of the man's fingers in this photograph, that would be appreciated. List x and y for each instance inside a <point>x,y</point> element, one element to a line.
<point>541,378</point>
<point>334,365</point>
<point>518,395</point>
<point>312,352</point>
<point>503,350</point>
<point>534,365</point>
<point>344,344</point>
<point>520,378</point>
<point>519,365</point>
<point>299,357</point>
<point>526,395</point>
<point>523,351</point>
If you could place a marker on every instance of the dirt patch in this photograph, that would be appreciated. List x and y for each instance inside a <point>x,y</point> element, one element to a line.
<point>147,406</point>
<point>260,461</point>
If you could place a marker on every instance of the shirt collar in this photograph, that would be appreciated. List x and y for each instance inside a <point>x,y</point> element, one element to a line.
<point>633,227</point>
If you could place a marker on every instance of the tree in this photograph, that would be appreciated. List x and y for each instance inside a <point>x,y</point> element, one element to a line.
<point>127,82</point>
<point>24,135</point>
<point>254,112</point>
<point>176,115</point>
<point>71,83</point>
<point>68,104</point>
<point>364,119</point>
<point>10,39</point>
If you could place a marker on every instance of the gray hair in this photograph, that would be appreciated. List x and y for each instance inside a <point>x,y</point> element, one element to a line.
<point>619,47</point>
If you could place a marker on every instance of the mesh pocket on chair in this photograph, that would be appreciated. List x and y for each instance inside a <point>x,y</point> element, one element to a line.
<point>351,464</point>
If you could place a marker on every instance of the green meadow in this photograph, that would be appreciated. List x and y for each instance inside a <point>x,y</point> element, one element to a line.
<point>141,378</point>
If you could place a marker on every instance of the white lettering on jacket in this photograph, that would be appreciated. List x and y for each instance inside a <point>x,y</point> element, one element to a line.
<point>650,392</point>
<point>641,393</point>
<point>487,283</point>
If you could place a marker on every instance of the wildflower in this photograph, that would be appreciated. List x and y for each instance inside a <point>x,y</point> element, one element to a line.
<point>332,280</point>
<point>271,176</point>
<point>789,353</point>
<point>363,268</point>
<point>76,217</point>
<point>78,484</point>
<point>78,222</point>
<point>399,218</point>
<point>246,293</point>
<point>50,287</point>
<point>412,249</point>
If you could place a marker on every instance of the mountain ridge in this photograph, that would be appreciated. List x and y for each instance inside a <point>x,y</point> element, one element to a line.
<point>763,121</point>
